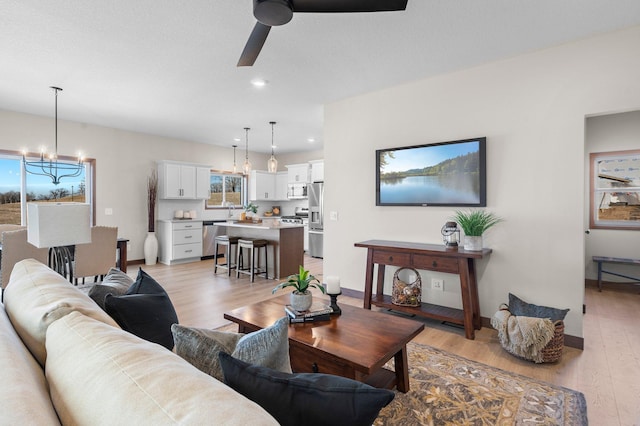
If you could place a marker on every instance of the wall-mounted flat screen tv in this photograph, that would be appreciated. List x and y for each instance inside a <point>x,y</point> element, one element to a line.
<point>438,174</point>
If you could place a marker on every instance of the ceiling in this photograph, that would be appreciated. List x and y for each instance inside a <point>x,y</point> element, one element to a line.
<point>168,67</point>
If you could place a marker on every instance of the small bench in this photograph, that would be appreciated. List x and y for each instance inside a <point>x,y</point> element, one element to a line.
<point>603,259</point>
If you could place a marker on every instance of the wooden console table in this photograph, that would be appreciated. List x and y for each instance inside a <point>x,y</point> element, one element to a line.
<point>430,257</point>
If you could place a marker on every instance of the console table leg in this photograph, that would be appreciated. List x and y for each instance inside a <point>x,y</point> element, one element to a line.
<point>473,291</point>
<point>467,303</point>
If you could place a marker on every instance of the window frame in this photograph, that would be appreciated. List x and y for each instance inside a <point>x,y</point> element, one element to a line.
<point>244,190</point>
<point>599,187</point>
<point>90,180</point>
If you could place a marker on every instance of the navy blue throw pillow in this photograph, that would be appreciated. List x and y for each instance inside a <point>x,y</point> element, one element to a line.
<point>521,308</point>
<point>310,399</point>
<point>144,310</point>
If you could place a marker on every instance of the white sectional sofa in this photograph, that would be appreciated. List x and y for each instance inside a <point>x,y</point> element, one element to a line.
<point>65,361</point>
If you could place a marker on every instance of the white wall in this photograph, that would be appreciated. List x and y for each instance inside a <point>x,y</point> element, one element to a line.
<point>532,110</point>
<point>611,132</point>
<point>123,161</point>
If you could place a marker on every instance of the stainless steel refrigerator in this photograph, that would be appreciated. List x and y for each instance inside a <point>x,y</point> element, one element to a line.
<point>316,219</point>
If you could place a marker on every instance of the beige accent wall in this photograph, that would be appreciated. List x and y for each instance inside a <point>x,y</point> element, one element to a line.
<point>532,109</point>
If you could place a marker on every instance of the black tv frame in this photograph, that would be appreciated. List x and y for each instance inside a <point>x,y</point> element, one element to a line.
<point>482,175</point>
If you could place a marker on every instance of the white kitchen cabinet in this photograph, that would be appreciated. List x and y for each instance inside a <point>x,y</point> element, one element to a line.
<point>317,170</point>
<point>264,185</point>
<point>203,183</point>
<point>298,173</point>
<point>179,241</point>
<point>261,186</point>
<point>281,185</point>
<point>183,181</point>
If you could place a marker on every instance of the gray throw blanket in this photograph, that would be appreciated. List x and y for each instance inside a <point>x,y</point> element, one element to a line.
<point>523,336</point>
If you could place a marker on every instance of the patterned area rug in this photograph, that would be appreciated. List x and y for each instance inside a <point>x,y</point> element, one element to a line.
<point>450,390</point>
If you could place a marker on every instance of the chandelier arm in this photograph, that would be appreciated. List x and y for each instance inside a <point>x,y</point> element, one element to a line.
<point>51,167</point>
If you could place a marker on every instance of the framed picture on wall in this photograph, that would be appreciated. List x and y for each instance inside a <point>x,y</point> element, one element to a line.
<point>615,190</point>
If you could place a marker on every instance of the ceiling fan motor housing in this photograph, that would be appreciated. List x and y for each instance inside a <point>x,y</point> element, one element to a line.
<point>273,12</point>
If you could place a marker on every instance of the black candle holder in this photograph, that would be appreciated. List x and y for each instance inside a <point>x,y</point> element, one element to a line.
<point>334,304</point>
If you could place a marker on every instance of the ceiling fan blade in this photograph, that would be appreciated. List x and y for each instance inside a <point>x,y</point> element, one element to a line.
<point>342,6</point>
<point>254,45</point>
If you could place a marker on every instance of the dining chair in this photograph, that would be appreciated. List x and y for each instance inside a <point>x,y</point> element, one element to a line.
<point>16,248</point>
<point>97,257</point>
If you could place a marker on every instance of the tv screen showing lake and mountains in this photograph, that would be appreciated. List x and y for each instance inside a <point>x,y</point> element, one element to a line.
<point>444,174</point>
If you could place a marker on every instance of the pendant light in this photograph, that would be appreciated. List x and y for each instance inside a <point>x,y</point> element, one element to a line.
<point>235,168</point>
<point>272,163</point>
<point>51,167</point>
<point>246,168</point>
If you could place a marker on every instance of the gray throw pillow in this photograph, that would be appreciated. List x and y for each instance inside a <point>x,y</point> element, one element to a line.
<point>115,282</point>
<point>268,347</point>
<point>519,307</point>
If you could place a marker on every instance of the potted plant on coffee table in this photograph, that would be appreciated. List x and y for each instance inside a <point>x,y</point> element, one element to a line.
<point>474,223</point>
<point>302,282</point>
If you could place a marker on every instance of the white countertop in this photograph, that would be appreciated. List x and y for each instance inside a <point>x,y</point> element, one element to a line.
<point>266,224</point>
<point>179,220</point>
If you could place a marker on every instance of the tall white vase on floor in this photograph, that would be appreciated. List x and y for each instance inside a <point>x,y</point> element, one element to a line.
<point>150,249</point>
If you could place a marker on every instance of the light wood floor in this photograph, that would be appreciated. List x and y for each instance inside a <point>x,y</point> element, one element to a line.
<point>607,371</point>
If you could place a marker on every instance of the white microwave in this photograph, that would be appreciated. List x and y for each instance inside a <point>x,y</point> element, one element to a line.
<point>296,191</point>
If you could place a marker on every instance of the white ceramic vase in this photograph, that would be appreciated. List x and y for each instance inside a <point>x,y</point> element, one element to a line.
<point>301,301</point>
<point>473,243</point>
<point>151,249</point>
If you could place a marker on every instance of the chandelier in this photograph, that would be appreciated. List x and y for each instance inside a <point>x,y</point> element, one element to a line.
<point>272,163</point>
<point>50,166</point>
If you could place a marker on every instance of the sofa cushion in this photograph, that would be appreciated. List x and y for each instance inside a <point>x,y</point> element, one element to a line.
<point>521,308</point>
<point>268,347</point>
<point>23,389</point>
<point>144,310</point>
<point>102,375</point>
<point>308,399</point>
<point>115,282</point>
<point>36,296</point>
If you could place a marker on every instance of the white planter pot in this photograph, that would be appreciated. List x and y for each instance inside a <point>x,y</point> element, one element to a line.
<point>301,301</point>
<point>151,249</point>
<point>473,243</point>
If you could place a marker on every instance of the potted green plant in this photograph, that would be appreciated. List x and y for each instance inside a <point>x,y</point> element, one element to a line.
<point>250,208</point>
<point>302,282</point>
<point>474,223</point>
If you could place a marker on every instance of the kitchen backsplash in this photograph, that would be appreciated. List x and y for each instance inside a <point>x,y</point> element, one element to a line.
<point>167,208</point>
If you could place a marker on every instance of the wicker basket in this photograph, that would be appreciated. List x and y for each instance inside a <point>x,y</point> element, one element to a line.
<point>406,294</point>
<point>553,351</point>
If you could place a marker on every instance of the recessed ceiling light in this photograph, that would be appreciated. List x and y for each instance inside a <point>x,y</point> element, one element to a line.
<point>258,82</point>
<point>236,139</point>
<point>311,140</point>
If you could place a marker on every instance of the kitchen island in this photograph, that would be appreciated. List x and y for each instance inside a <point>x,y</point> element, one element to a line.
<point>286,243</point>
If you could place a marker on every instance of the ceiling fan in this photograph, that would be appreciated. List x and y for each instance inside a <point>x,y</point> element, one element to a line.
<point>270,13</point>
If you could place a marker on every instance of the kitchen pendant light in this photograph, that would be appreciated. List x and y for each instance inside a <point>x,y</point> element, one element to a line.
<point>235,168</point>
<point>272,163</point>
<point>51,167</point>
<point>246,168</point>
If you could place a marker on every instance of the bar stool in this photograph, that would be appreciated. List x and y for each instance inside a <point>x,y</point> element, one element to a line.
<point>254,246</point>
<point>228,242</point>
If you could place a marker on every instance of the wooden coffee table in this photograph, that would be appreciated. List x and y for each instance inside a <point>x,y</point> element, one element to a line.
<point>355,344</point>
